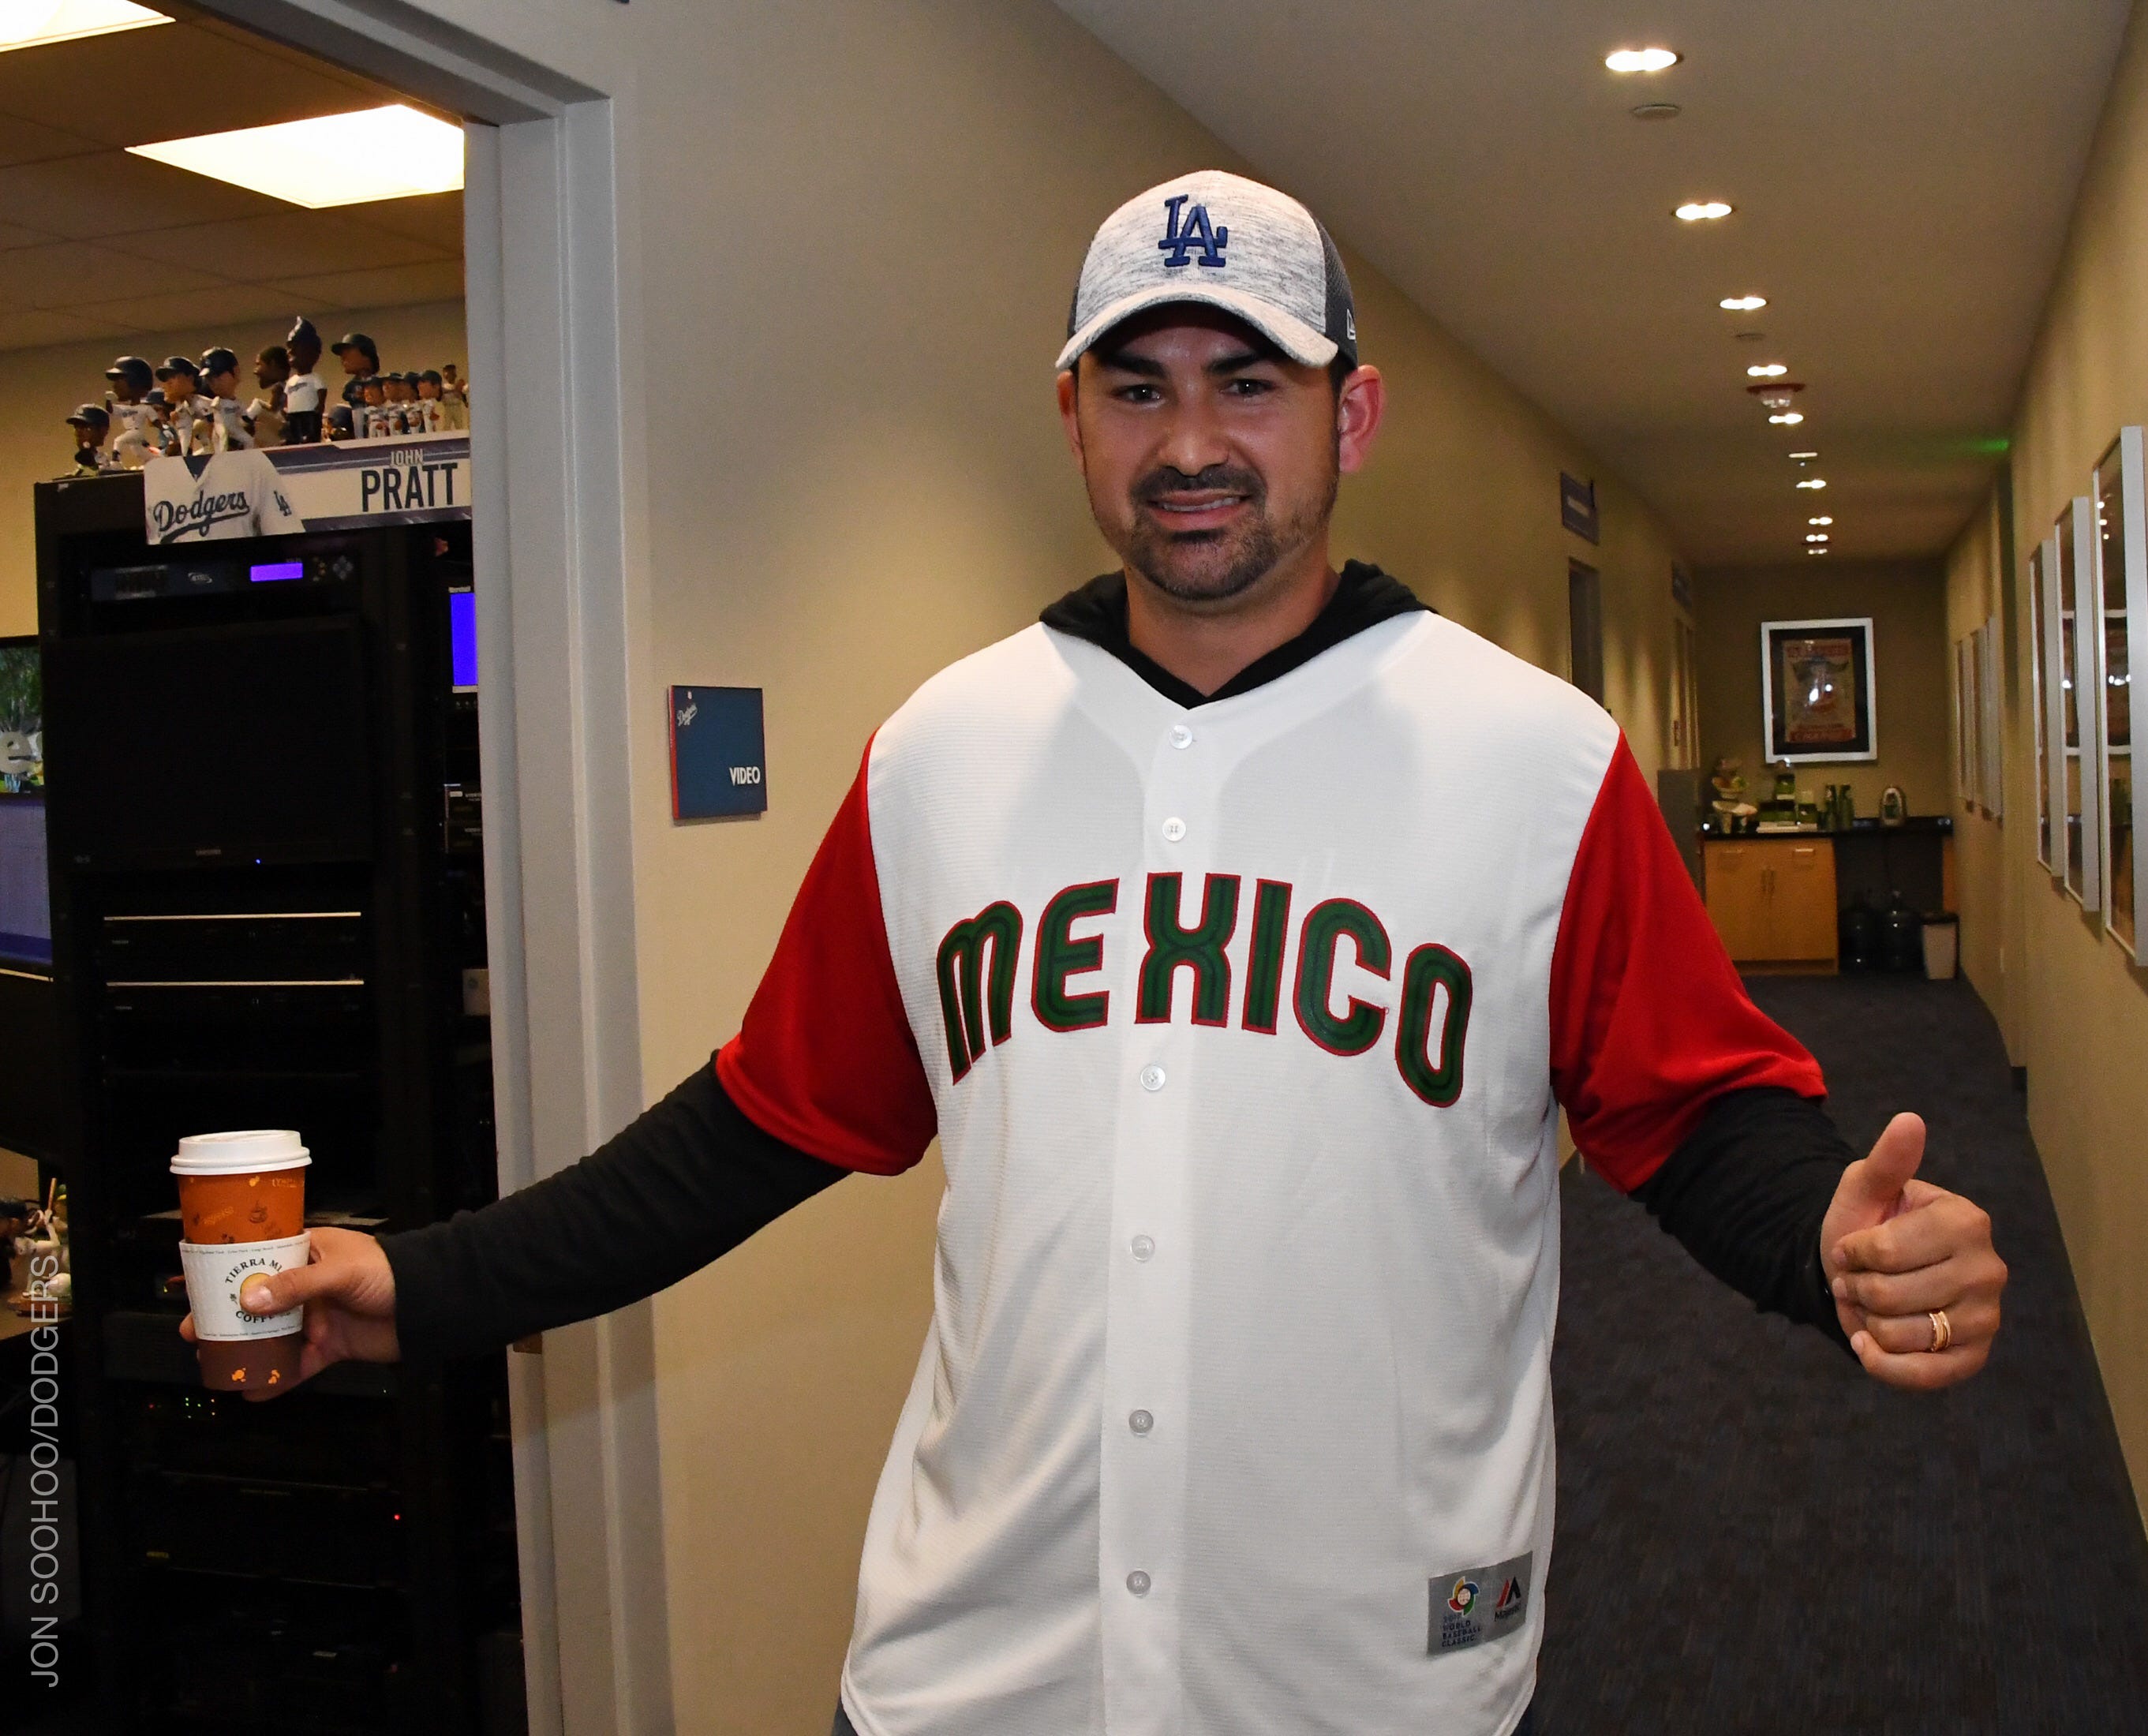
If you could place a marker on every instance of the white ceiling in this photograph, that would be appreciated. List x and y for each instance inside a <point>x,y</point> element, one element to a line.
<point>96,244</point>
<point>1903,173</point>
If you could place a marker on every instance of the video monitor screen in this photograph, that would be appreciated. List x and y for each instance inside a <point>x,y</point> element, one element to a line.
<point>462,639</point>
<point>22,718</point>
<point>211,745</point>
<point>26,912</point>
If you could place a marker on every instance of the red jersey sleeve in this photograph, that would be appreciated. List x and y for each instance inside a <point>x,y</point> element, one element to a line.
<point>1648,1020</point>
<point>826,1059</point>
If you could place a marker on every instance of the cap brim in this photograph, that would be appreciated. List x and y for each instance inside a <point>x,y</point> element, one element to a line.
<point>1293,337</point>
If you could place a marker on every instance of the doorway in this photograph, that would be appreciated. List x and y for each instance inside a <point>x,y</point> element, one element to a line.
<point>1584,604</point>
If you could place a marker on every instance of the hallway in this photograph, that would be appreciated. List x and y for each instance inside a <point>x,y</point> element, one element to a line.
<point>1849,1558</point>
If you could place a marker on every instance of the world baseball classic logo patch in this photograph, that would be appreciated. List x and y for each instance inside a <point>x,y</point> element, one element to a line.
<point>1476,1605</point>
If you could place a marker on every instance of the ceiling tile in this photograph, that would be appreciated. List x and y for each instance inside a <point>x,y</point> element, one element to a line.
<point>393,286</point>
<point>35,330</point>
<point>110,193</point>
<point>69,274</point>
<point>435,218</point>
<point>286,243</point>
<point>206,309</point>
<point>138,87</point>
<point>22,141</point>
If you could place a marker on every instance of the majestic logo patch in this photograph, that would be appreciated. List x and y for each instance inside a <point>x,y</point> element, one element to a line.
<point>1460,1617</point>
<point>1181,241</point>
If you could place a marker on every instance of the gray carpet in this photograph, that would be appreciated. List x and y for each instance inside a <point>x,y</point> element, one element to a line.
<point>1755,1536</point>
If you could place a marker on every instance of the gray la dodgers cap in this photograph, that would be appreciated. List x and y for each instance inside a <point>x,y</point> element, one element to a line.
<point>1228,241</point>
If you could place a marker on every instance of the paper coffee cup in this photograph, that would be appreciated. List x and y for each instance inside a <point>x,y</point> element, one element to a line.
<point>241,1187</point>
<point>243,1352</point>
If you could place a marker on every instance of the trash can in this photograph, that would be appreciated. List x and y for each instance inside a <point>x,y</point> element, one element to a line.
<point>1942,944</point>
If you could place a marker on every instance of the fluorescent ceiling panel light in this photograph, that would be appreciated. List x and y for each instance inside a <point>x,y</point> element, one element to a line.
<point>1812,482</point>
<point>1788,417</point>
<point>1742,304</point>
<point>333,159</point>
<point>26,23</point>
<point>1767,370</point>
<point>1641,60</point>
<point>1701,211</point>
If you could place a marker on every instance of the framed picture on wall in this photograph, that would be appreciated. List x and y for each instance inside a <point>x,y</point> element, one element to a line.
<point>2051,705</point>
<point>2122,588</point>
<point>1817,698</point>
<point>1964,722</point>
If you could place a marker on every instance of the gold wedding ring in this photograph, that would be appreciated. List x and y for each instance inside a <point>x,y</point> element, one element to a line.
<point>1942,1332</point>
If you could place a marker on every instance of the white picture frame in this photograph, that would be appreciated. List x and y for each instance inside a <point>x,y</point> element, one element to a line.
<point>2080,765</point>
<point>1965,758</point>
<point>2049,708</point>
<point>1991,737</point>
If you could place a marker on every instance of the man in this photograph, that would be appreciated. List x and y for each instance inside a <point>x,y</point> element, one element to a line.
<point>90,422</point>
<point>360,357</point>
<point>1238,929</point>
<point>186,411</point>
<point>226,425</point>
<point>129,406</point>
<point>264,412</point>
<point>304,392</point>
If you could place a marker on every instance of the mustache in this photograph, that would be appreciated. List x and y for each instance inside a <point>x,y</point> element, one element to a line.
<point>1226,479</point>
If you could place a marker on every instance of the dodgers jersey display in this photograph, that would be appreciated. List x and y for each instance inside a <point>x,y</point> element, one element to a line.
<point>1244,1030</point>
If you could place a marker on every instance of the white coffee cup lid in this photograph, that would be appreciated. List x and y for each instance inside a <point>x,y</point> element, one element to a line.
<point>237,1154</point>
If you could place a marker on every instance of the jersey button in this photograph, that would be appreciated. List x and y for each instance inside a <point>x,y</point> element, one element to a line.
<point>1151,1077</point>
<point>1140,1423</point>
<point>1137,1583</point>
<point>1174,829</point>
<point>1181,736</point>
<point>1143,1246</point>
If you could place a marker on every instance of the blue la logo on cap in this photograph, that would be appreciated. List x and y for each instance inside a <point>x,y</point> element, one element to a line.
<point>1179,242</point>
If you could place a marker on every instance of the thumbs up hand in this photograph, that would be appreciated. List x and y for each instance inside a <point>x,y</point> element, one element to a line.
<point>1897,1251</point>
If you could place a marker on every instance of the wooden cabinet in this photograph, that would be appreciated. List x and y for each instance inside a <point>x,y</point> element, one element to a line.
<point>1773,900</point>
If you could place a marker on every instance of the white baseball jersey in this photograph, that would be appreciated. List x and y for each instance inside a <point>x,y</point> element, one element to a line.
<point>201,499</point>
<point>1243,1029</point>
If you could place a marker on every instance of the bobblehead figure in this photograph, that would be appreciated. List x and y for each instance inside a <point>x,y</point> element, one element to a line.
<point>304,390</point>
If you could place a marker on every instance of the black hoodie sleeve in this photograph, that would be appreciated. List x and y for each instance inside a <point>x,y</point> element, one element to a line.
<point>1746,1191</point>
<point>688,1180</point>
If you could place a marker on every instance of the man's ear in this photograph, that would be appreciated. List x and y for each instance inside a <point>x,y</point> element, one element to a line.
<point>1069,416</point>
<point>1359,407</point>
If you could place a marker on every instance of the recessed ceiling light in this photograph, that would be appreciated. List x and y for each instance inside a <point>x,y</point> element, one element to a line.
<point>1742,304</point>
<point>1767,370</point>
<point>1804,454</point>
<point>1641,60</point>
<point>1823,519</point>
<point>332,159</point>
<point>1657,112</point>
<point>1817,536</point>
<point>1812,482</point>
<point>1701,211</point>
<point>26,23</point>
<point>1788,418</point>
<point>1815,551</point>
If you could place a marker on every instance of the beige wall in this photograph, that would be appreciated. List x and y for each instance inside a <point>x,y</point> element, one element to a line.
<point>40,388</point>
<point>2082,1008</point>
<point>1907,602</point>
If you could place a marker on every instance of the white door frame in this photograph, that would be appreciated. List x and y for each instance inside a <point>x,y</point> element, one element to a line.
<point>558,531</point>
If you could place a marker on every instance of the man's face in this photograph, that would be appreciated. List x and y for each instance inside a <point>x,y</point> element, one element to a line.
<point>267,370</point>
<point>428,390</point>
<point>353,361</point>
<point>223,385</point>
<point>1210,458</point>
<point>178,388</point>
<point>304,355</point>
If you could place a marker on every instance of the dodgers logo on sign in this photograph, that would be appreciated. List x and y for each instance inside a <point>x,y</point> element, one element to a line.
<point>1180,242</point>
